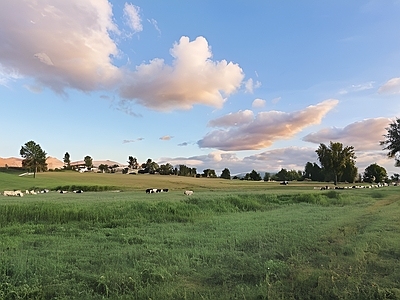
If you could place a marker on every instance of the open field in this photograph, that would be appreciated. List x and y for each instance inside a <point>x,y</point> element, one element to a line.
<point>230,240</point>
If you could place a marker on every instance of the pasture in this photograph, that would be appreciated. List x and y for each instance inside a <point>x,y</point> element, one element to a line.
<point>229,240</point>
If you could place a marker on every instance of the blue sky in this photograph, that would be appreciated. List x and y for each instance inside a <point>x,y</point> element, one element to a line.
<point>210,84</point>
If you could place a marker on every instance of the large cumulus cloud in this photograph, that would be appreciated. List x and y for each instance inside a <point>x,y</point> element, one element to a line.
<point>362,135</point>
<point>261,131</point>
<point>193,78</point>
<point>61,44</point>
<point>73,45</point>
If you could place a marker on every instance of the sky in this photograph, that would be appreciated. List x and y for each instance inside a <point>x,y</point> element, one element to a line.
<point>244,85</point>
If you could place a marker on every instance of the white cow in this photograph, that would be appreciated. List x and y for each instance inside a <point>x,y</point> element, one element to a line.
<point>188,193</point>
<point>13,193</point>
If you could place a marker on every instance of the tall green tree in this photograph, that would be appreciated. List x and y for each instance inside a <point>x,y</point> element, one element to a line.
<point>253,175</point>
<point>350,173</point>
<point>34,157</point>
<point>132,162</point>
<point>67,160</point>
<point>392,141</point>
<point>166,169</point>
<point>226,174</point>
<point>375,173</point>
<point>209,173</point>
<point>335,158</point>
<point>267,176</point>
<point>88,161</point>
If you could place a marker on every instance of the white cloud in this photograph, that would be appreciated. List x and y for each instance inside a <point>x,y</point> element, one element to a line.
<point>155,24</point>
<point>250,85</point>
<point>61,44</point>
<point>266,128</point>
<point>362,135</point>
<point>233,119</point>
<point>166,137</point>
<point>193,78</point>
<point>131,12</point>
<point>291,158</point>
<point>357,88</point>
<point>258,103</point>
<point>276,100</point>
<point>392,86</point>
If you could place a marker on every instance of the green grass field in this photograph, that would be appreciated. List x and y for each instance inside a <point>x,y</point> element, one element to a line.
<point>230,240</point>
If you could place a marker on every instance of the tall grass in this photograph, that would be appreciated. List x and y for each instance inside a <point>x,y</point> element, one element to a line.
<point>214,245</point>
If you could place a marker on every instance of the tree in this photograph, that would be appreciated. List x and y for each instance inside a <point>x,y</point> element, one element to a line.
<point>132,162</point>
<point>267,176</point>
<point>313,171</point>
<point>392,141</point>
<point>209,173</point>
<point>375,173</point>
<point>88,161</point>
<point>166,169</point>
<point>226,174</point>
<point>67,161</point>
<point>335,158</point>
<point>350,173</point>
<point>253,175</point>
<point>103,168</point>
<point>34,157</point>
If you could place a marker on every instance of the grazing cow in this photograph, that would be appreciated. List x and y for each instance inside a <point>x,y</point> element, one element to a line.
<point>188,193</point>
<point>78,191</point>
<point>165,190</point>
<point>63,192</point>
<point>13,193</point>
<point>148,191</point>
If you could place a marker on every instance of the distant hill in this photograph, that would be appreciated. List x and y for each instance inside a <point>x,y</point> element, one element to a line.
<point>52,162</point>
<point>97,163</point>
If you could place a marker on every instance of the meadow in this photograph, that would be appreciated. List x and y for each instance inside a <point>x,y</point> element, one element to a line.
<point>230,240</point>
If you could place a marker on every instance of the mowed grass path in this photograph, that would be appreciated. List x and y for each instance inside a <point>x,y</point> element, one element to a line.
<point>229,241</point>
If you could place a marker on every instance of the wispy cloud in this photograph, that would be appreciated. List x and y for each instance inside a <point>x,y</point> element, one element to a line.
<point>250,85</point>
<point>155,24</point>
<point>166,138</point>
<point>392,86</point>
<point>362,135</point>
<point>357,88</point>
<point>267,127</point>
<point>132,15</point>
<point>131,141</point>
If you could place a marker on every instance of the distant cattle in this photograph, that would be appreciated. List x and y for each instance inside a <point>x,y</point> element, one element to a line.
<point>188,193</point>
<point>78,191</point>
<point>150,191</point>
<point>13,193</point>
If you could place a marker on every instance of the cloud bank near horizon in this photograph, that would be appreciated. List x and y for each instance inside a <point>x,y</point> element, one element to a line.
<point>362,135</point>
<point>64,45</point>
<point>243,131</point>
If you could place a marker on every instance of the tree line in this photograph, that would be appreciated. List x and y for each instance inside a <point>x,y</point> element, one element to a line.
<point>337,163</point>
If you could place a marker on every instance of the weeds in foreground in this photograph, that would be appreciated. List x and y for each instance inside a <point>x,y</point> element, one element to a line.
<point>220,246</point>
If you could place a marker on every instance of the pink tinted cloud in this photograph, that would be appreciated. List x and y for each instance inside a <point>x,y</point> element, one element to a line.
<point>233,119</point>
<point>392,86</point>
<point>192,78</point>
<point>362,135</point>
<point>61,44</point>
<point>265,128</point>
